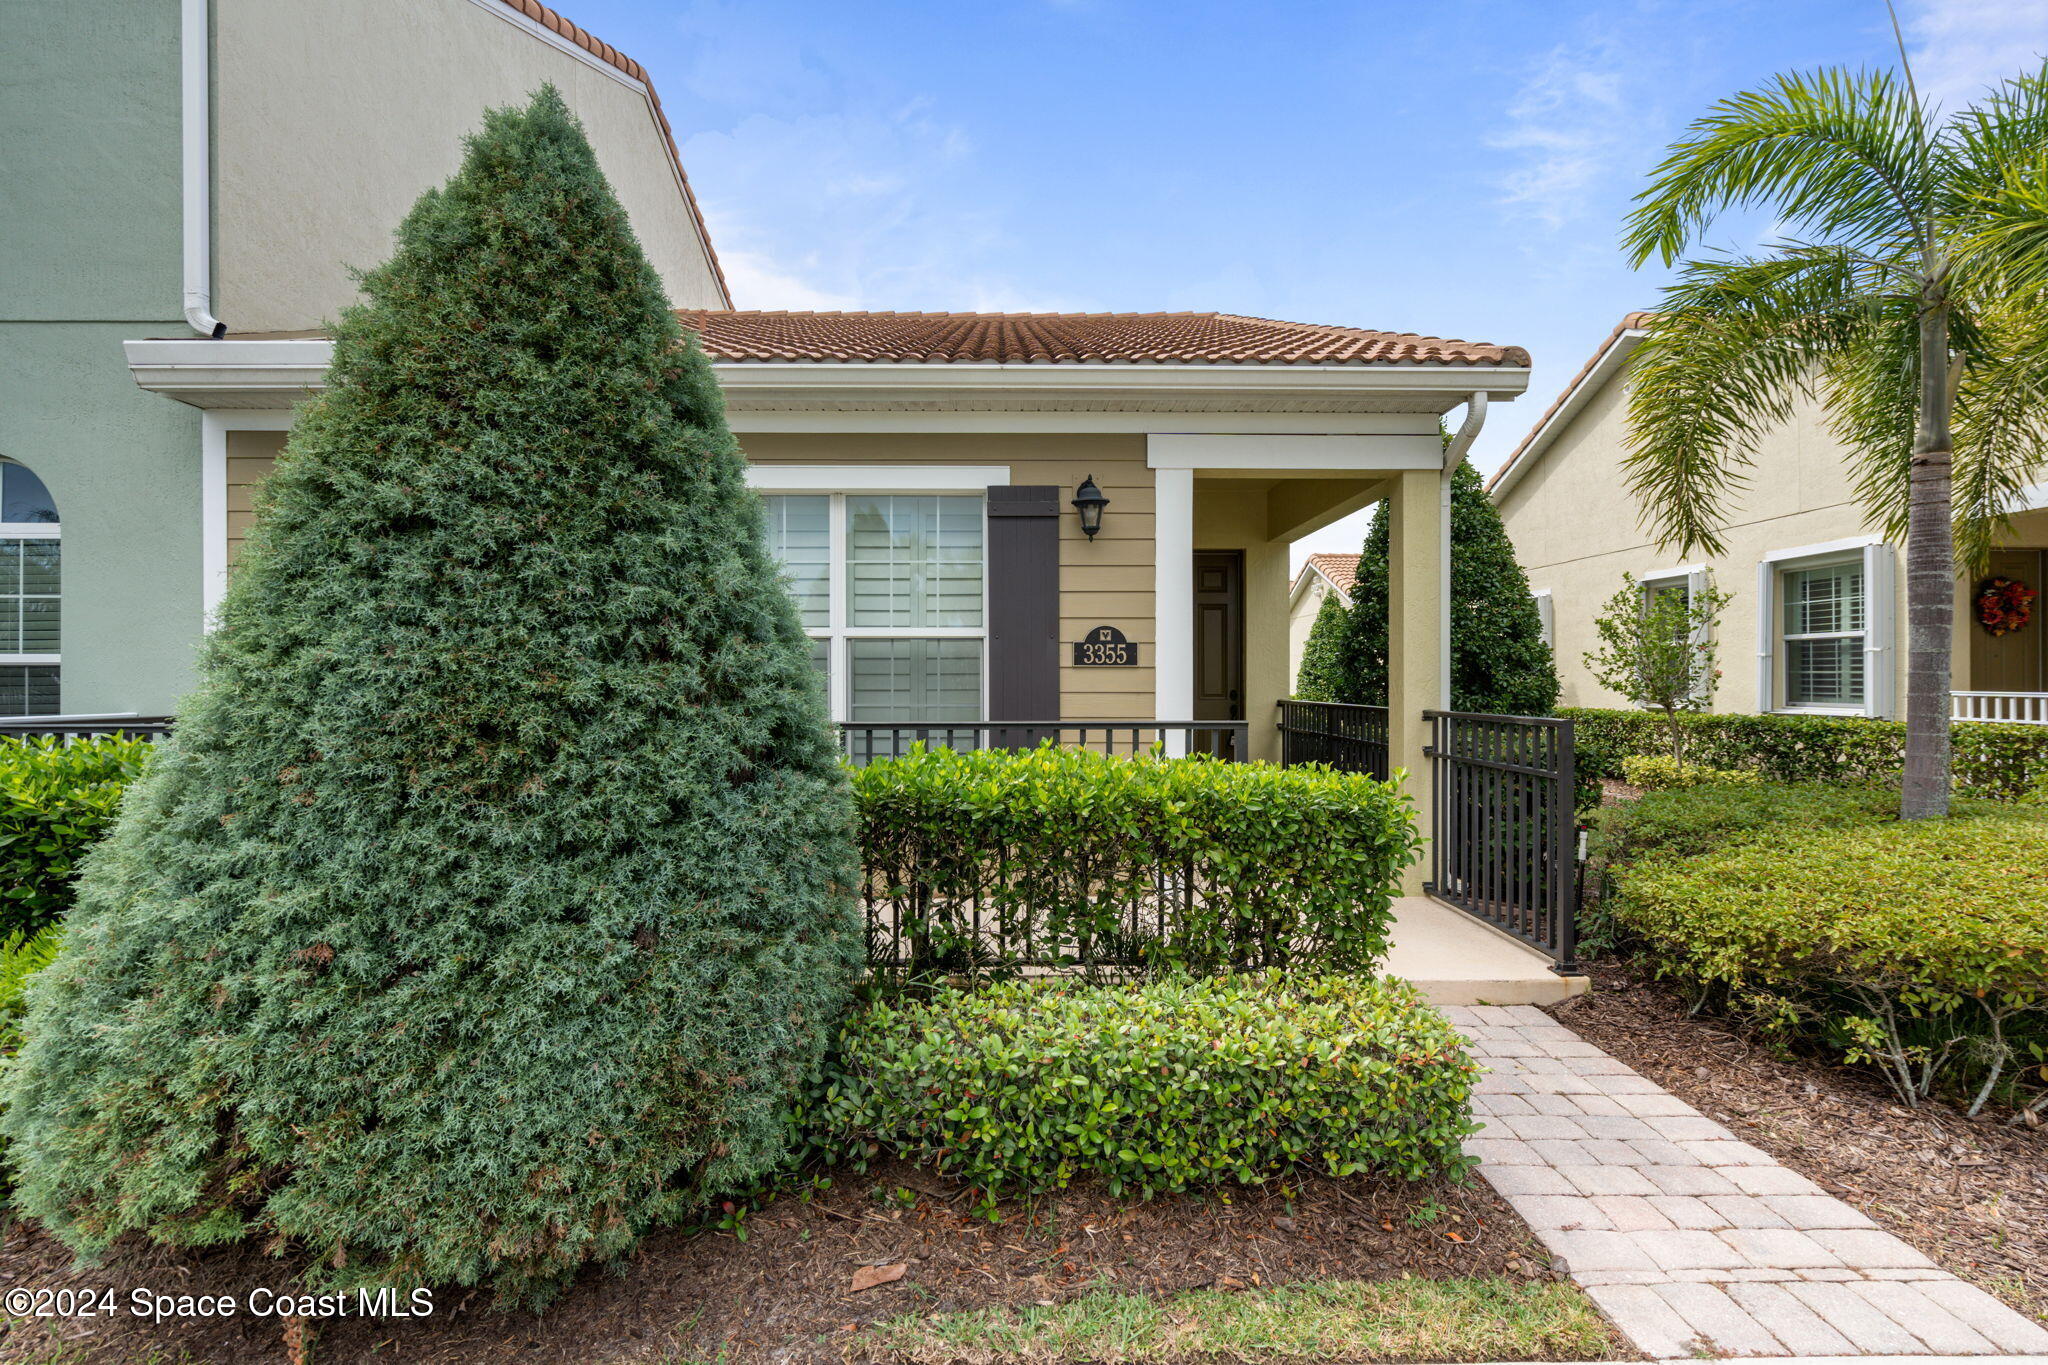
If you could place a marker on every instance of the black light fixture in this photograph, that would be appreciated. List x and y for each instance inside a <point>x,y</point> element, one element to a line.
<point>1089,502</point>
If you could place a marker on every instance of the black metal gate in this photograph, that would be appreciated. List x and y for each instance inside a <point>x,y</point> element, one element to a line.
<point>1506,844</point>
<point>1352,739</point>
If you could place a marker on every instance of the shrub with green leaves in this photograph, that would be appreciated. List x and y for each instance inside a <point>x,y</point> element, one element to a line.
<point>493,897</point>
<point>1052,857</point>
<point>1179,1083</point>
<point>1321,677</point>
<point>2001,761</point>
<point>1662,772</point>
<point>56,801</point>
<point>21,957</point>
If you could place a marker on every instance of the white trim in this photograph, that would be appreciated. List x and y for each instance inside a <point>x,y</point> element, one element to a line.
<point>1766,635</point>
<point>1390,452</point>
<point>1878,630</point>
<point>1685,571</point>
<point>876,478</point>
<point>214,427</point>
<point>557,41</point>
<point>1546,616</point>
<point>1874,561</point>
<point>30,660</point>
<point>2033,499</point>
<point>1611,359</point>
<point>1173,598</point>
<point>1309,573</point>
<point>1081,414</point>
<point>31,530</point>
<point>1821,551</point>
<point>195,136</point>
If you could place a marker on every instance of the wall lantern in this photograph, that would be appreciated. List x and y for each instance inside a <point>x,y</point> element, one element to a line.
<point>1089,502</point>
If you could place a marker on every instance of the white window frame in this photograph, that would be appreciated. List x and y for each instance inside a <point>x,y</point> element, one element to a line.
<point>1693,578</point>
<point>36,530</point>
<point>1546,616</point>
<point>1877,561</point>
<point>837,482</point>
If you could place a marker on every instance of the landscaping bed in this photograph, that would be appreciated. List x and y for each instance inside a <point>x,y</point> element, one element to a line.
<point>785,1292</point>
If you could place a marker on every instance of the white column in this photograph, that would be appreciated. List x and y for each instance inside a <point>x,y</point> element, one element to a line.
<point>1173,598</point>
<point>213,513</point>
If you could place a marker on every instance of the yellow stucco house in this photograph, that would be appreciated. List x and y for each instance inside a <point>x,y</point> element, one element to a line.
<point>1815,618</point>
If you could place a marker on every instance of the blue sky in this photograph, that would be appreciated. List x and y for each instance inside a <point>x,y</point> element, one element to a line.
<point>1452,167</point>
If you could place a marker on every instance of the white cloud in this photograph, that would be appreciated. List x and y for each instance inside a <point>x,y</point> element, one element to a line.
<point>1565,125</point>
<point>1961,47</point>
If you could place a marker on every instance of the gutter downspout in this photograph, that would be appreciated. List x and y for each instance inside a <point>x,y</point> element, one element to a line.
<point>1454,455</point>
<point>195,51</point>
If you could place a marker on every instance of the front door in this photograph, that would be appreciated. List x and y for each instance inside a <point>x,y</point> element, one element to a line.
<point>1219,646</point>
<point>2011,662</point>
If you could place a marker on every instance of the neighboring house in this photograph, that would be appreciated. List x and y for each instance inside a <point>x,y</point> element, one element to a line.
<point>1815,623</point>
<point>1320,576</point>
<point>177,162</point>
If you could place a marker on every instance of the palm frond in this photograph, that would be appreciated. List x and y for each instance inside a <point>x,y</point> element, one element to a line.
<point>1836,152</point>
<point>2001,424</point>
<point>1734,345</point>
<point>1993,161</point>
<point>1871,390</point>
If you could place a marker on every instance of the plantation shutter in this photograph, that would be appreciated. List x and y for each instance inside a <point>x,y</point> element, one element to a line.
<point>1878,630</point>
<point>1695,589</point>
<point>1024,610</point>
<point>1766,633</point>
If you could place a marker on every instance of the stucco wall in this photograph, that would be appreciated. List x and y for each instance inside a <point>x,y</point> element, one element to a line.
<point>1576,531</point>
<point>89,256</point>
<point>331,120</point>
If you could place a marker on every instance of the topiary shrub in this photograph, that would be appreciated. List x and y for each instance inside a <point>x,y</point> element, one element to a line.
<point>56,801</point>
<point>1662,772</point>
<point>1053,858</point>
<point>1180,1083</point>
<point>1499,662</point>
<point>493,896</point>
<point>1322,656</point>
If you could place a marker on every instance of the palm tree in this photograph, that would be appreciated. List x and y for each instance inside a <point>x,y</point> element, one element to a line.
<point>1907,299</point>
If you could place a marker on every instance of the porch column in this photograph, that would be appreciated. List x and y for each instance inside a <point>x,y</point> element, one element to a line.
<point>1173,600</point>
<point>1415,632</point>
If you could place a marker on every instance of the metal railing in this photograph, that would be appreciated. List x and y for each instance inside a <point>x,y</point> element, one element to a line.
<point>863,742</point>
<point>1351,739</point>
<point>2010,708</point>
<point>83,727</point>
<point>1506,840</point>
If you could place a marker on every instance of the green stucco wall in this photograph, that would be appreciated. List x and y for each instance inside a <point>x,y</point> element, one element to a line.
<point>89,257</point>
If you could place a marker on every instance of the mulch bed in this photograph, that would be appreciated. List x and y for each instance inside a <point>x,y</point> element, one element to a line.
<point>784,1294</point>
<point>1971,1193</point>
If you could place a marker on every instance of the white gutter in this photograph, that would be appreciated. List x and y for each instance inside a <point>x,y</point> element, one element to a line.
<point>195,51</point>
<point>1454,455</point>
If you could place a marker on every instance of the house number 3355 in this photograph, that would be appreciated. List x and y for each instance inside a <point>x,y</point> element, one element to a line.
<point>1105,647</point>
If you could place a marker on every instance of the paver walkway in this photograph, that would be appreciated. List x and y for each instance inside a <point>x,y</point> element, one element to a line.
<point>1688,1238</point>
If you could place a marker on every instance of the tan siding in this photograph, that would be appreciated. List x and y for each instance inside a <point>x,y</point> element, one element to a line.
<point>251,457</point>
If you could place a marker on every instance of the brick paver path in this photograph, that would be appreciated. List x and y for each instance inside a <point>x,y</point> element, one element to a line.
<point>1689,1239</point>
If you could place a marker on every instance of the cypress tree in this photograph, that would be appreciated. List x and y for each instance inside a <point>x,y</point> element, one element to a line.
<point>1499,663</point>
<point>1322,654</point>
<point>492,897</point>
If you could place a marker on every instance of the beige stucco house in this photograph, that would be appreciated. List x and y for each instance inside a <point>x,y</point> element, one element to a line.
<point>1814,621</point>
<point>1321,576</point>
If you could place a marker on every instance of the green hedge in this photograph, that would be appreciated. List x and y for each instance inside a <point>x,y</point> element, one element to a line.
<point>2001,761</point>
<point>1920,947</point>
<point>1059,857</point>
<point>56,800</point>
<point>1662,772</point>
<point>21,957</point>
<point>1177,1083</point>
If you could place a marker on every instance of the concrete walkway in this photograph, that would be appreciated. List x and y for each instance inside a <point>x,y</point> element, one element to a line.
<point>1693,1242</point>
<point>1455,959</point>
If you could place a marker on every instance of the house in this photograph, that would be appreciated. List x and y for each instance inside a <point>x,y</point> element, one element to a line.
<point>1321,576</point>
<point>1816,613</point>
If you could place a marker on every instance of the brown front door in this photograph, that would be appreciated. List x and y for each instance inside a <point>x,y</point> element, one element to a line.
<point>1219,644</point>
<point>2011,662</point>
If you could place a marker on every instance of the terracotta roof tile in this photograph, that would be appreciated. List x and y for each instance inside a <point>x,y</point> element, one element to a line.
<point>1341,570</point>
<point>611,56</point>
<point>1069,338</point>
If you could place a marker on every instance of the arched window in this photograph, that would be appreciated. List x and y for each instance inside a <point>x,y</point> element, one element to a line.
<point>31,605</point>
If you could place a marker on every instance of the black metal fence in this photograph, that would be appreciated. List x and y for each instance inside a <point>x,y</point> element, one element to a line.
<point>83,727</point>
<point>1352,739</point>
<point>863,743</point>
<point>1506,840</point>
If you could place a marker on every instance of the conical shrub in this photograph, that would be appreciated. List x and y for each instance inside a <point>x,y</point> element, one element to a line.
<point>493,895</point>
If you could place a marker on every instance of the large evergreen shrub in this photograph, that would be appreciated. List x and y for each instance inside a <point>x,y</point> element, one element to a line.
<point>492,898</point>
<point>1322,655</point>
<point>1499,662</point>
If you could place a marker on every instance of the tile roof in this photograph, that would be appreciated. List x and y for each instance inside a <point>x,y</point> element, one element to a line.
<point>1069,338</point>
<point>611,56</point>
<point>1630,322</point>
<point>1341,570</point>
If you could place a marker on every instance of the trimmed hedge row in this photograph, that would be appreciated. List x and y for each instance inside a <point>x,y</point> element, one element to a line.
<point>56,801</point>
<point>1055,858</point>
<point>1022,1086</point>
<point>2000,761</point>
<point>1920,947</point>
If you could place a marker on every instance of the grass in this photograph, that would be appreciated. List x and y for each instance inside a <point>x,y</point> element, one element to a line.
<point>1350,1320</point>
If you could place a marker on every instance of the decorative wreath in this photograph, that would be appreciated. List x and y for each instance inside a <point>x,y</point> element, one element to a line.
<point>2002,605</point>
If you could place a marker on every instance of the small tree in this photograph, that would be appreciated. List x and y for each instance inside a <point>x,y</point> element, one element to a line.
<point>491,901</point>
<point>1657,651</point>
<point>1322,655</point>
<point>1499,661</point>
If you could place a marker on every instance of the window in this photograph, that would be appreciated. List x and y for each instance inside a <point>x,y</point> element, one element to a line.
<point>1686,585</point>
<point>1825,620</point>
<point>892,591</point>
<point>31,603</point>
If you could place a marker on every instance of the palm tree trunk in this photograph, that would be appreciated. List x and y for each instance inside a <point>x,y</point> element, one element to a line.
<point>1930,575</point>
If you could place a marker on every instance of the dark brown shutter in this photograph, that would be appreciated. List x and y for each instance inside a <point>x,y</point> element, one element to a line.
<point>1024,610</point>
